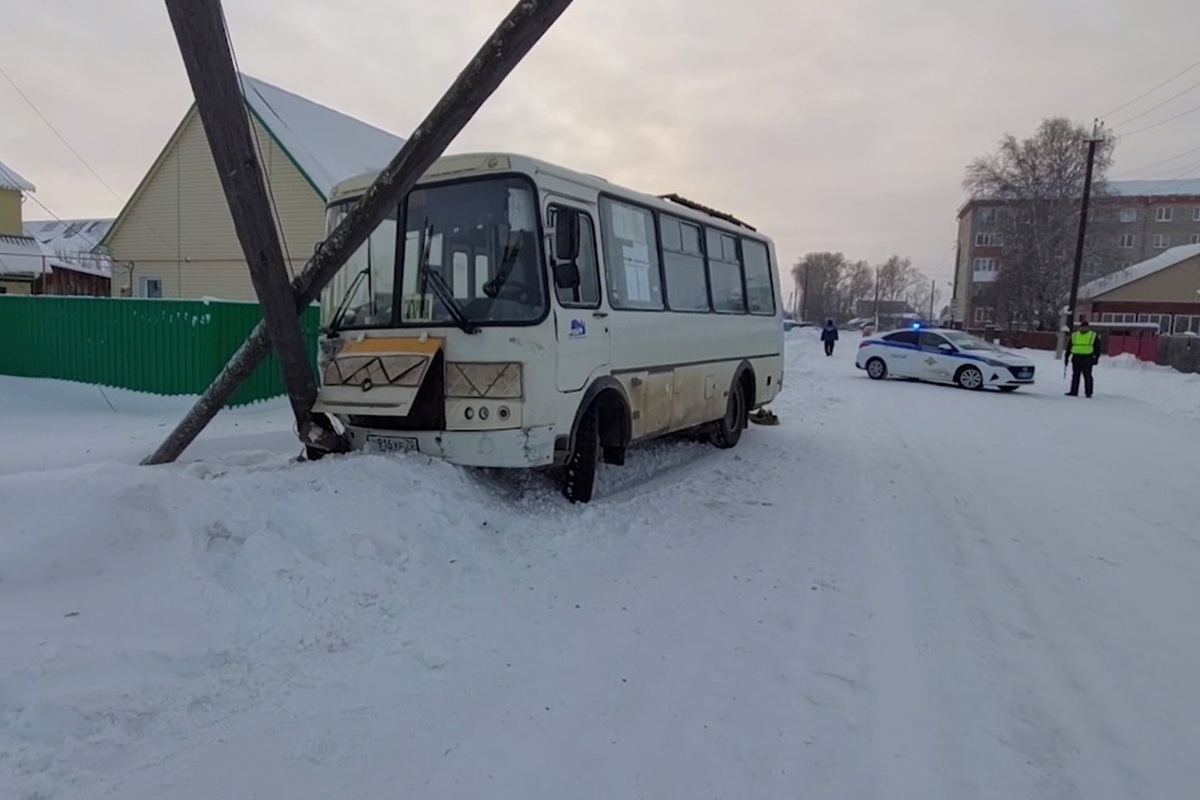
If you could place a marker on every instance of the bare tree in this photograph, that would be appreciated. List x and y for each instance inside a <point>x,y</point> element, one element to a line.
<point>896,278</point>
<point>819,277</point>
<point>1039,184</point>
<point>922,294</point>
<point>859,284</point>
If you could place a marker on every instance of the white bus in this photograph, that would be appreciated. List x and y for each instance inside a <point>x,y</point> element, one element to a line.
<point>512,313</point>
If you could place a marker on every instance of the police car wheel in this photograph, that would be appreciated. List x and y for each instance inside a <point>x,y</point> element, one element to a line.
<point>969,378</point>
<point>876,369</point>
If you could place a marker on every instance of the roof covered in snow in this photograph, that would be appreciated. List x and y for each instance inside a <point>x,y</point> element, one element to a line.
<point>1124,277</point>
<point>69,236</point>
<point>326,145</point>
<point>11,179</point>
<point>1176,187</point>
<point>1184,187</point>
<point>21,255</point>
<point>70,244</point>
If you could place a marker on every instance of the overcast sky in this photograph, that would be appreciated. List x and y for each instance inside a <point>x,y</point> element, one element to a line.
<point>830,126</point>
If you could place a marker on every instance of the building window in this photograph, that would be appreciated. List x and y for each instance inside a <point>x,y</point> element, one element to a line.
<point>1185,323</point>
<point>987,215</point>
<point>1194,239</point>
<point>1163,320</point>
<point>993,239</point>
<point>1119,319</point>
<point>1162,214</point>
<point>984,316</point>
<point>1161,241</point>
<point>1195,213</point>
<point>985,265</point>
<point>149,287</point>
<point>1128,215</point>
<point>1126,241</point>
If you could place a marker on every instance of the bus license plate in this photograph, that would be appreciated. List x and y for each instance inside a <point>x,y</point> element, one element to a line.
<point>393,444</point>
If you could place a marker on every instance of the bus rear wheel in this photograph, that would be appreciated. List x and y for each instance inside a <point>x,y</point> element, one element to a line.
<point>579,476</point>
<point>727,431</point>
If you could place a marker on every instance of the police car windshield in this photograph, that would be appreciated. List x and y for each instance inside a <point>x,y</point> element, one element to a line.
<point>965,341</point>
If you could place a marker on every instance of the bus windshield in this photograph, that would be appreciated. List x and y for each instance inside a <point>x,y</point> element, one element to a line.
<point>470,254</point>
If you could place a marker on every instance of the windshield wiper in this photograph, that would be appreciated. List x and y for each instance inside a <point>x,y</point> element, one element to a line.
<point>344,306</point>
<point>443,292</point>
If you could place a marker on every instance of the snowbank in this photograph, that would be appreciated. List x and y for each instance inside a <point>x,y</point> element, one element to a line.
<point>141,607</point>
<point>49,424</point>
<point>879,597</point>
<point>1130,379</point>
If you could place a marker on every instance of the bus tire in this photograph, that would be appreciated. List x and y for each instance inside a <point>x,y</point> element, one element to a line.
<point>579,475</point>
<point>727,431</point>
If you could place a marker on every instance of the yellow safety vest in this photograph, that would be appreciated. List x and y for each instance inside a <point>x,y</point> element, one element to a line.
<point>1083,343</point>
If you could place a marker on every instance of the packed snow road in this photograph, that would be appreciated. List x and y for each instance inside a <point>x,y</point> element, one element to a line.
<point>902,591</point>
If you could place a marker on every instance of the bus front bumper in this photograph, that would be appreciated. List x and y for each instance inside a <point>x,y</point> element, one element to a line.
<point>524,447</point>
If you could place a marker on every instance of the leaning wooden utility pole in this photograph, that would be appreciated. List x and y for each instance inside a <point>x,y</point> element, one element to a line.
<point>204,44</point>
<point>1071,314</point>
<point>509,43</point>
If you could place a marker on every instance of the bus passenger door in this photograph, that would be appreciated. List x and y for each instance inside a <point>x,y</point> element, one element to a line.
<point>581,323</point>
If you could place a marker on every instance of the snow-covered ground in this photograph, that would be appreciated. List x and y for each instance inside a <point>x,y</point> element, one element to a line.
<point>903,591</point>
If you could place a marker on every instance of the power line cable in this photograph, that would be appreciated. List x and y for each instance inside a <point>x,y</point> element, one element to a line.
<point>1155,163</point>
<point>1149,92</point>
<point>1152,126</point>
<point>1175,96</point>
<point>61,138</point>
<point>76,153</point>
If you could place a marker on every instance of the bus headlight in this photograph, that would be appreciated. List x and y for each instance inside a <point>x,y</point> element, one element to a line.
<point>483,415</point>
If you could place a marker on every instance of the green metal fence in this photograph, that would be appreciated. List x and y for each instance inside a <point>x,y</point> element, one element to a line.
<point>168,347</point>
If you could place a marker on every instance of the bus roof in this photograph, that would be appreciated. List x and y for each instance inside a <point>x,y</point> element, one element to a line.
<point>481,163</point>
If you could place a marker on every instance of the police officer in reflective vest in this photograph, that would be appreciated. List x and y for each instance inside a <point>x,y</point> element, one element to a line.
<point>1085,352</point>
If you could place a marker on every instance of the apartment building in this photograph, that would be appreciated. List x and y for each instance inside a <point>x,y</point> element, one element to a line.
<point>1145,217</point>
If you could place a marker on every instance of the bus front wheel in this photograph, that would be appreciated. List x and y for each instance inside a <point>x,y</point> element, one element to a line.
<point>579,477</point>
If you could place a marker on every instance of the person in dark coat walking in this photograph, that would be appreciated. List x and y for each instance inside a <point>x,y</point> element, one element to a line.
<point>829,335</point>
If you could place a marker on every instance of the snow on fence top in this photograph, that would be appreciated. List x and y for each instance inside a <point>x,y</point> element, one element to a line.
<point>327,146</point>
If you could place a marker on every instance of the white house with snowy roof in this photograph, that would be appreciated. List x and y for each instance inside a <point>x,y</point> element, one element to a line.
<point>175,237</point>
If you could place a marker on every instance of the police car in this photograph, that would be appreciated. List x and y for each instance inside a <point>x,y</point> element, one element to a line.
<point>943,356</point>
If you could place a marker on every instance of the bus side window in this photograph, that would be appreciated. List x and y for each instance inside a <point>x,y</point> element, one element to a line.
<point>587,294</point>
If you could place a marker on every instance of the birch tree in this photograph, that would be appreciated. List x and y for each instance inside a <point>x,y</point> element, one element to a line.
<point>1039,182</point>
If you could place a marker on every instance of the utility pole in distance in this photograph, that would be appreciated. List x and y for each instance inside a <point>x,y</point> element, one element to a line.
<point>1071,317</point>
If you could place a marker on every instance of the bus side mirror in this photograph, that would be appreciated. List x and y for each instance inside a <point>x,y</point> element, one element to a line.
<point>566,235</point>
<point>566,275</point>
